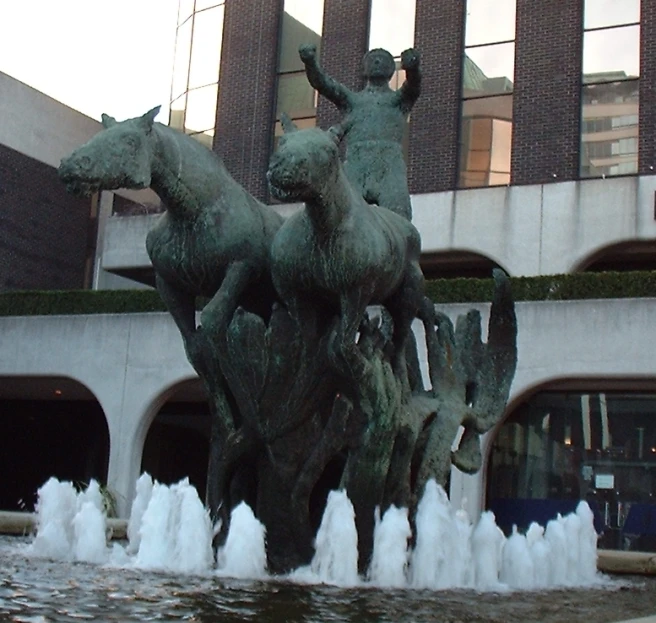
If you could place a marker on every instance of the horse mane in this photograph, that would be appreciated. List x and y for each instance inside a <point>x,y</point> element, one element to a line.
<point>191,173</point>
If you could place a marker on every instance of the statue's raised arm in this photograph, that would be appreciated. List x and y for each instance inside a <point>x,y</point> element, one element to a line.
<point>327,86</point>
<point>411,87</point>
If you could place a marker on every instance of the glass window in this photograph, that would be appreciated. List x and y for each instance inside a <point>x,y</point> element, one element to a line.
<point>392,25</point>
<point>185,9</point>
<point>609,129</point>
<point>485,141</point>
<point>561,447</point>
<point>302,22</point>
<point>181,60</point>
<point>611,54</point>
<point>201,109</point>
<point>601,13</point>
<point>176,117</point>
<point>206,47</point>
<point>489,21</point>
<point>295,96</point>
<point>206,4</point>
<point>488,70</point>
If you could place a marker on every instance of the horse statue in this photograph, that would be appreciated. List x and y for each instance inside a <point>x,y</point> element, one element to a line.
<point>214,238</point>
<point>339,249</point>
<point>213,241</point>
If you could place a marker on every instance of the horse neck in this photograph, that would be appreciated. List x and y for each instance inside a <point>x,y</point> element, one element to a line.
<point>187,176</point>
<point>332,204</point>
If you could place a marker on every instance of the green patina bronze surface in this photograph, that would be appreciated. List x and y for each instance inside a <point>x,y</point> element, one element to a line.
<point>308,392</point>
<point>374,124</point>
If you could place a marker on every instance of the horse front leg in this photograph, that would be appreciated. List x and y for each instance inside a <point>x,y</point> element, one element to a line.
<point>343,352</point>
<point>217,314</point>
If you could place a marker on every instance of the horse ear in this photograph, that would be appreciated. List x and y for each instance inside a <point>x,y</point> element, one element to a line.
<point>287,124</point>
<point>149,118</point>
<point>336,132</point>
<point>107,121</point>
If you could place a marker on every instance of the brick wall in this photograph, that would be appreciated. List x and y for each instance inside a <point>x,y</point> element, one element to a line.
<point>546,118</point>
<point>647,121</point>
<point>244,124</point>
<point>343,44</point>
<point>439,32</point>
<point>44,231</point>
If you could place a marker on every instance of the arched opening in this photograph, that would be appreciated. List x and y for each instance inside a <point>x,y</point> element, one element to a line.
<point>177,443</point>
<point>624,256</point>
<point>579,441</point>
<point>454,264</point>
<point>49,426</point>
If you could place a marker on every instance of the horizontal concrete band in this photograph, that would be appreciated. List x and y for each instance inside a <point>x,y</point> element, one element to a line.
<point>16,523</point>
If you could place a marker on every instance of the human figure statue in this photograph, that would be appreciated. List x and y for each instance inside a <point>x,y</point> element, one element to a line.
<point>375,120</point>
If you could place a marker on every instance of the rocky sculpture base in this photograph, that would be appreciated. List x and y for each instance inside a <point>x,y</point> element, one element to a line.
<point>308,423</point>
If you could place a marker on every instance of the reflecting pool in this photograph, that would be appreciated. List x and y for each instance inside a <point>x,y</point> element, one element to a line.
<point>34,590</point>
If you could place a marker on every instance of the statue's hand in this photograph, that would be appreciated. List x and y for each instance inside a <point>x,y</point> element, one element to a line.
<point>409,59</point>
<point>308,52</point>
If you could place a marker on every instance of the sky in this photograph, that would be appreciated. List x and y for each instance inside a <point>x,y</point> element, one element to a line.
<point>95,56</point>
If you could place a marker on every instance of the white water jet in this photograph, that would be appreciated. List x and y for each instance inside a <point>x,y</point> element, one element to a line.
<point>336,545</point>
<point>587,544</point>
<point>89,528</point>
<point>555,537</point>
<point>55,510</point>
<point>517,569</point>
<point>175,531</point>
<point>244,552</point>
<point>442,550</point>
<point>170,530</point>
<point>144,491</point>
<point>540,555</point>
<point>487,546</point>
<point>389,561</point>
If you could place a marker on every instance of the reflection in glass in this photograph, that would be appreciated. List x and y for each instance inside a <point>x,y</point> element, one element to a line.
<point>600,13</point>
<point>206,47</point>
<point>295,96</point>
<point>609,129</point>
<point>488,70</point>
<point>485,141</point>
<point>611,54</point>
<point>600,447</point>
<point>181,60</point>
<point>201,109</point>
<point>302,22</point>
<point>489,21</point>
<point>392,25</point>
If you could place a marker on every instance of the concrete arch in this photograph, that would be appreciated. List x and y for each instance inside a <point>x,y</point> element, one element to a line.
<point>627,254</point>
<point>459,262</point>
<point>52,425</point>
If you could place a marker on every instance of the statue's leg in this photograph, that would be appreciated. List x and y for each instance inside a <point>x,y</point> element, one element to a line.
<point>217,314</point>
<point>343,351</point>
<point>403,307</point>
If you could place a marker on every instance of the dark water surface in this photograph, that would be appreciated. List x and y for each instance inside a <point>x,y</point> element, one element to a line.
<point>41,591</point>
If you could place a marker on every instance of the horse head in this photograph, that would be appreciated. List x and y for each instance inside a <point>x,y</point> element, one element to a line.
<point>117,157</point>
<point>304,161</point>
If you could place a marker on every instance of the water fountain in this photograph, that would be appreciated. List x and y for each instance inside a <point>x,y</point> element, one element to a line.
<point>329,448</point>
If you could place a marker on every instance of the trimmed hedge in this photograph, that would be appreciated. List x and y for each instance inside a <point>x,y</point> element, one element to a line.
<point>544,288</point>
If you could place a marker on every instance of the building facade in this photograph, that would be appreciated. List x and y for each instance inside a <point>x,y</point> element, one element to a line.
<point>532,147</point>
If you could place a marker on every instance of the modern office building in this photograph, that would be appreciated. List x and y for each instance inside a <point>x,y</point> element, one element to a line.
<point>532,147</point>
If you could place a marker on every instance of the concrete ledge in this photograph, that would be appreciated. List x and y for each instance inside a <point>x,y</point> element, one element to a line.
<point>21,524</point>
<point>612,561</point>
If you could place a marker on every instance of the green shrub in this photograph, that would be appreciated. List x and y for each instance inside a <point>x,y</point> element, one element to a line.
<point>639,284</point>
